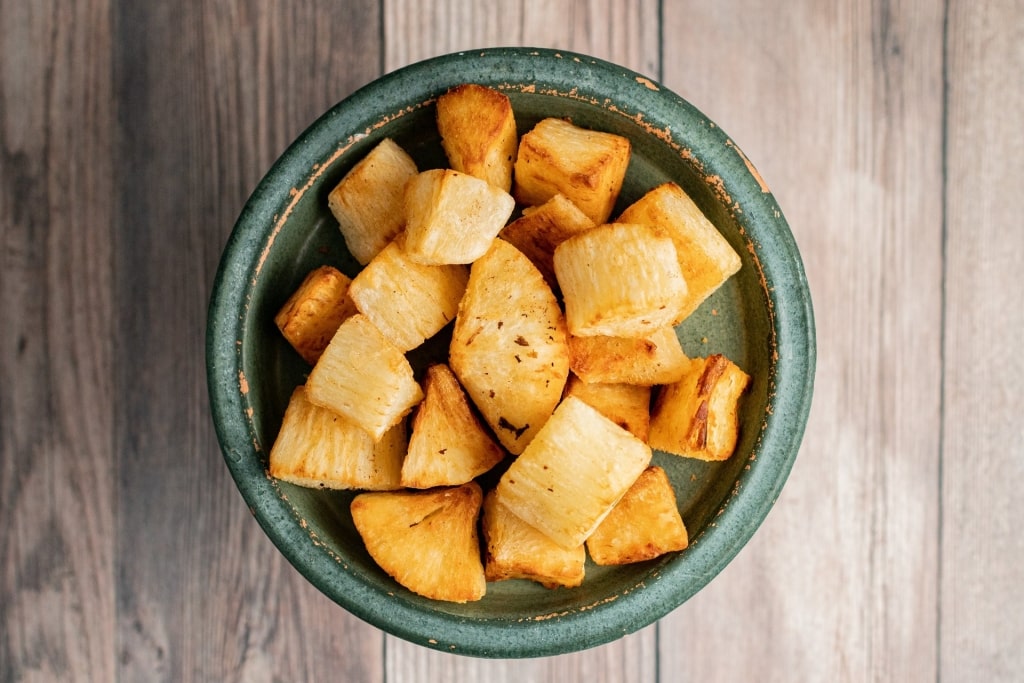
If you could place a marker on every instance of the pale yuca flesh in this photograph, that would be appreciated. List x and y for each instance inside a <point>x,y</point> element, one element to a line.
<point>508,345</point>
<point>317,448</point>
<point>542,228</point>
<point>655,358</point>
<point>448,446</point>
<point>627,405</point>
<point>478,132</point>
<point>312,314</point>
<point>368,202</point>
<point>573,472</point>
<point>426,540</point>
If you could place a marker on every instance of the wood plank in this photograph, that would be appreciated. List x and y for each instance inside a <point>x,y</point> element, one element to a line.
<point>625,33</point>
<point>839,105</point>
<point>56,454</point>
<point>982,557</point>
<point>209,94</point>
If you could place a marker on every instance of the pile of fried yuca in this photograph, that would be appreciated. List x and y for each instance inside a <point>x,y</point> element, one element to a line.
<point>563,328</point>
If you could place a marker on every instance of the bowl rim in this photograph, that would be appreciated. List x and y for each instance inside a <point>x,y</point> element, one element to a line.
<point>792,367</point>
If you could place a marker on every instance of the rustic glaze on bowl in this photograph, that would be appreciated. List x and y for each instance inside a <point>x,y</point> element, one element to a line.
<point>761,318</point>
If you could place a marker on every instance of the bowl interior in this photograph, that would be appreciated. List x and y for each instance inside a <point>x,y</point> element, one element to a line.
<point>760,319</point>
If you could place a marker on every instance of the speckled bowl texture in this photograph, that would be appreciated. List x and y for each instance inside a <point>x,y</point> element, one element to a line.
<point>761,319</point>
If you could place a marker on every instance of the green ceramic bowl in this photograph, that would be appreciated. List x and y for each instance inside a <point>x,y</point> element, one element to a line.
<point>762,319</point>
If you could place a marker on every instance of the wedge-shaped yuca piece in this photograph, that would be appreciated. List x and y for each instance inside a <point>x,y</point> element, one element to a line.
<point>587,166</point>
<point>516,550</point>
<point>698,417</point>
<point>508,346</point>
<point>369,201</point>
<point>449,446</point>
<point>478,132</point>
<point>657,358</point>
<point>705,256</point>
<point>542,228</point>
<point>426,540</point>
<point>408,301</point>
<point>312,314</point>
<point>572,473</point>
<point>620,280</point>
<point>627,405</point>
<point>364,378</point>
<point>645,524</point>
<point>452,217</point>
<point>318,448</point>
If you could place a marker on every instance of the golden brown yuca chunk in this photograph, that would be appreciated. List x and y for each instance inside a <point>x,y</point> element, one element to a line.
<point>572,473</point>
<point>318,448</point>
<point>508,347</point>
<point>426,540</point>
<point>312,314</point>
<point>627,405</point>
<point>478,132</point>
<point>515,550</point>
<point>449,446</point>
<point>645,524</point>
<point>697,417</point>
<point>706,257</point>
<point>542,228</point>
<point>587,166</point>
<point>364,378</point>
<point>656,358</point>
<point>620,280</point>
<point>452,217</point>
<point>368,202</point>
<point>408,301</point>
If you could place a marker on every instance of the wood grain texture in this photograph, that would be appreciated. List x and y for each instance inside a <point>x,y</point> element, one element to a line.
<point>983,434</point>
<point>840,108</point>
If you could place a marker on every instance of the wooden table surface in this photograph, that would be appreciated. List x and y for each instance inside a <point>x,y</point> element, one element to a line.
<point>892,135</point>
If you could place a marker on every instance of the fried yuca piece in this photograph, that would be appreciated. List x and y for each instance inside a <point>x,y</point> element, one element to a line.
<point>587,166</point>
<point>620,280</point>
<point>452,217</point>
<point>572,473</point>
<point>643,525</point>
<point>426,540</point>
<point>705,256</point>
<point>408,301</point>
<point>508,346</point>
<point>657,358</point>
<point>516,550</point>
<point>317,448</point>
<point>364,378</point>
<point>312,314</point>
<point>698,416</point>
<point>542,228</point>
<point>478,132</point>
<point>449,446</point>
<point>627,405</point>
<point>368,202</point>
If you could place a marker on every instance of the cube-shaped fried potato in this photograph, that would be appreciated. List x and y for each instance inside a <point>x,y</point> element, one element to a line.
<point>656,358</point>
<point>705,256</point>
<point>317,448</point>
<point>542,228</point>
<point>508,346</point>
<point>478,132</point>
<point>426,540</point>
<point>572,473</point>
<point>627,405</point>
<point>364,378</point>
<point>645,524</point>
<point>620,280</point>
<point>587,166</point>
<point>312,314</point>
<point>369,201</point>
<point>698,417</point>
<point>452,217</point>
<point>515,550</point>
<point>408,301</point>
<point>449,446</point>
